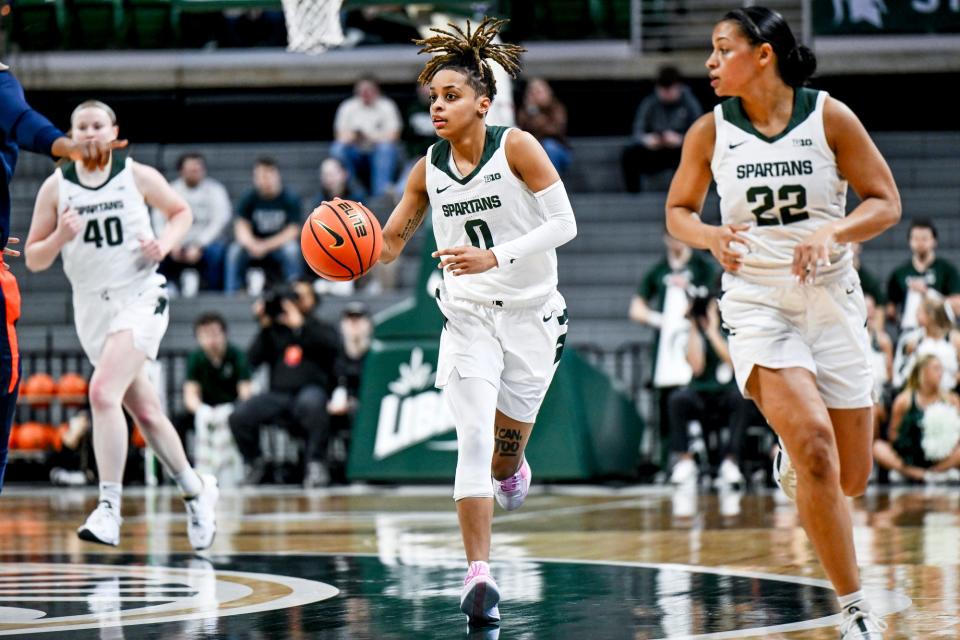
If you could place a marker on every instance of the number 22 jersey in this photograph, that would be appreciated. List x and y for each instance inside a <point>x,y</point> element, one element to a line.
<point>106,253</point>
<point>489,206</point>
<point>786,187</point>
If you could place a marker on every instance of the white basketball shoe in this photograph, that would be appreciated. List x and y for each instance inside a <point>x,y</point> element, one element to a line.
<point>102,525</point>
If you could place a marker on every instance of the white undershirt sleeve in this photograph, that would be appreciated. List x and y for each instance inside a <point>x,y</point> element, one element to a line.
<point>559,228</point>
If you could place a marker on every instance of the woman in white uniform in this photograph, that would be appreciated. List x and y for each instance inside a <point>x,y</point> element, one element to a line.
<point>782,156</point>
<point>499,212</point>
<point>98,221</point>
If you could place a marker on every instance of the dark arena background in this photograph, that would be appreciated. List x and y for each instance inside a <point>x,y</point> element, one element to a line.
<point>345,527</point>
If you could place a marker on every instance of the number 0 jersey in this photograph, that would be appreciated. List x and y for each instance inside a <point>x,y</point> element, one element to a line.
<point>786,186</point>
<point>106,253</point>
<point>488,207</point>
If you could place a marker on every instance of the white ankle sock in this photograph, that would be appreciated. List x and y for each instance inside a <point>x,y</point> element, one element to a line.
<point>189,482</point>
<point>111,492</point>
<point>855,598</point>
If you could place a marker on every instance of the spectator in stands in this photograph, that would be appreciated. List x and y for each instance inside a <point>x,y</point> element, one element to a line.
<point>544,116</point>
<point>376,25</point>
<point>202,250</point>
<point>356,329</point>
<point>711,398</point>
<point>336,182</point>
<point>418,134</point>
<point>366,131</point>
<point>266,229</point>
<point>69,463</point>
<point>935,336</point>
<point>305,297</point>
<point>218,377</point>
<point>661,121</point>
<point>910,281</point>
<point>901,450</point>
<point>301,353</point>
<point>661,303</point>
<point>881,362</point>
<point>256,27</point>
<point>868,282</point>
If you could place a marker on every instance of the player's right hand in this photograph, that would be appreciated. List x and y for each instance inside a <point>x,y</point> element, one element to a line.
<point>721,241</point>
<point>69,224</point>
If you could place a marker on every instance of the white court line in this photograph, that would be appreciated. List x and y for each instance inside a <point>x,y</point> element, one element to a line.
<point>884,602</point>
<point>228,584</point>
<point>428,518</point>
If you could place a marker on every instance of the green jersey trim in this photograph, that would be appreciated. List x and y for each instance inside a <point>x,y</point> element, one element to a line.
<point>440,157</point>
<point>119,163</point>
<point>804,104</point>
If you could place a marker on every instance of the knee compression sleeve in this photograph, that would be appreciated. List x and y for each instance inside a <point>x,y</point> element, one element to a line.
<point>473,404</point>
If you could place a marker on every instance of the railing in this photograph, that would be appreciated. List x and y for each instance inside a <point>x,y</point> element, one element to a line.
<point>684,25</point>
<point>173,365</point>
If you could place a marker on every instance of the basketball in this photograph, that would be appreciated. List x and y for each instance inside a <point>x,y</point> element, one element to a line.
<point>39,389</point>
<point>34,436</point>
<point>341,240</point>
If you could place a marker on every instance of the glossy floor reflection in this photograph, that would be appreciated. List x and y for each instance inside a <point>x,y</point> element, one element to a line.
<point>573,563</point>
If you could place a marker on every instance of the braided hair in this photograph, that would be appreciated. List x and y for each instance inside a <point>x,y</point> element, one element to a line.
<point>468,53</point>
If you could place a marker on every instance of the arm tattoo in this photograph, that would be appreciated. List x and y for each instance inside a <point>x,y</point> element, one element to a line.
<point>413,223</point>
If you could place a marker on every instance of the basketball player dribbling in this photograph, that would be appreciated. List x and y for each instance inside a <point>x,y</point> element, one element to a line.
<point>23,128</point>
<point>499,212</point>
<point>782,156</point>
<point>99,222</point>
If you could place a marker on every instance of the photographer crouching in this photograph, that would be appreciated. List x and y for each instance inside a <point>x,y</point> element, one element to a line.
<point>712,398</point>
<point>301,352</point>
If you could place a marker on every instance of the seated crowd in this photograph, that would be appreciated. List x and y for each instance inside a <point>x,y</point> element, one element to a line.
<point>915,349</point>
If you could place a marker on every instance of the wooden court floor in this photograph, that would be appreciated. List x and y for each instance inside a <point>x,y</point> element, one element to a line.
<point>385,563</point>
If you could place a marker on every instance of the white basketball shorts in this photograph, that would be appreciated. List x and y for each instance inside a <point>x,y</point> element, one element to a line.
<point>821,328</point>
<point>514,347</point>
<point>141,308</point>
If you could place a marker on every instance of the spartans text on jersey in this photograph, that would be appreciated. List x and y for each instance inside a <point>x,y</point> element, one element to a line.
<point>775,169</point>
<point>471,206</point>
<point>100,206</point>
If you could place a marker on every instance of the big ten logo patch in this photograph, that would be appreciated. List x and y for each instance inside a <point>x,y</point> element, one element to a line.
<point>490,177</point>
<point>356,217</point>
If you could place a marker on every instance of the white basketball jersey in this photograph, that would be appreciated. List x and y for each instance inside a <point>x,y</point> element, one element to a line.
<point>106,253</point>
<point>786,186</point>
<point>487,207</point>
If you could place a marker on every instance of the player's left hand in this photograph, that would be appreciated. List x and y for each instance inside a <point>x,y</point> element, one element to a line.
<point>812,253</point>
<point>153,250</point>
<point>7,251</point>
<point>465,260</point>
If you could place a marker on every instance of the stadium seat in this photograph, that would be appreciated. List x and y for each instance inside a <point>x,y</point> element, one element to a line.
<point>39,24</point>
<point>97,24</point>
<point>151,24</point>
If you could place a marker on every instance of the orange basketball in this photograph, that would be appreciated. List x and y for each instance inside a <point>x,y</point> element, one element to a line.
<point>341,240</point>
<point>136,437</point>
<point>34,435</point>
<point>39,389</point>
<point>71,385</point>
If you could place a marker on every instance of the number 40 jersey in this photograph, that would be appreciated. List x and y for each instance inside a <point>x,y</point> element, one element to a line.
<point>786,186</point>
<point>489,206</point>
<point>106,253</point>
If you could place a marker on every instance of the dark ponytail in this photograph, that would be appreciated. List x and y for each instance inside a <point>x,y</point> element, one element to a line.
<point>795,62</point>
